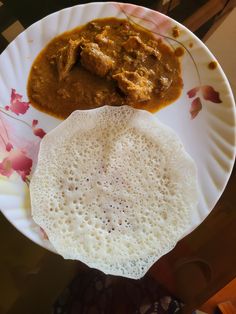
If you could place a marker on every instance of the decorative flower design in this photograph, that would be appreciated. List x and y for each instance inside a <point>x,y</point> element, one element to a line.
<point>195,107</point>
<point>16,159</point>
<point>207,92</point>
<point>43,234</point>
<point>157,22</point>
<point>16,104</point>
<point>38,132</point>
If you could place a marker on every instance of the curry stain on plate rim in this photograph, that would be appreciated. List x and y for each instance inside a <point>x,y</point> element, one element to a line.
<point>179,52</point>
<point>175,31</point>
<point>212,65</point>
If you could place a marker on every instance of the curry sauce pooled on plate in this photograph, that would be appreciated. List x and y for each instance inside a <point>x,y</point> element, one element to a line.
<point>105,62</point>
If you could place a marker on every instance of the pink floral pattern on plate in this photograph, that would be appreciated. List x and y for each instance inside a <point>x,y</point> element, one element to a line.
<point>157,22</point>
<point>17,158</point>
<point>16,104</point>
<point>207,93</point>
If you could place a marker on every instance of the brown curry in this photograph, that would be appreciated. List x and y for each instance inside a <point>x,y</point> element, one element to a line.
<point>105,62</point>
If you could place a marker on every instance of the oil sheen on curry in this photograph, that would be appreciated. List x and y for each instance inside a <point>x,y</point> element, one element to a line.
<point>105,62</point>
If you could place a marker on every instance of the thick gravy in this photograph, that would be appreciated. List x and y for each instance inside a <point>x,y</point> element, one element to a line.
<point>105,62</point>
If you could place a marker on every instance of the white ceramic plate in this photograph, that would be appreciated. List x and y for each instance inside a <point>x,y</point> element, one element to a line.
<point>209,136</point>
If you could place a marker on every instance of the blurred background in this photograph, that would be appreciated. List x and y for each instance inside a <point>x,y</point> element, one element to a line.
<point>197,15</point>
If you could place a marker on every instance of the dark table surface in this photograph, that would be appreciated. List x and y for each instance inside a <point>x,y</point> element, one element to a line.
<point>28,12</point>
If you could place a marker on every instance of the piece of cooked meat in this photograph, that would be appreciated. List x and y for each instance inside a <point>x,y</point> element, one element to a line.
<point>153,52</point>
<point>135,44</point>
<point>67,57</point>
<point>103,37</point>
<point>134,86</point>
<point>164,83</point>
<point>94,26</point>
<point>94,60</point>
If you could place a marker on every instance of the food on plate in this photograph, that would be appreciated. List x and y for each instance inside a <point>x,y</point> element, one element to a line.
<point>105,62</point>
<point>113,188</point>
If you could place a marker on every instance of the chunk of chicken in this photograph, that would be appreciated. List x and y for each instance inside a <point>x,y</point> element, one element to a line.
<point>94,60</point>
<point>67,57</point>
<point>134,86</point>
<point>135,44</point>
<point>103,37</point>
<point>164,83</point>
